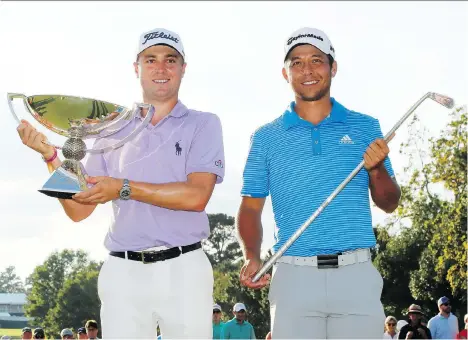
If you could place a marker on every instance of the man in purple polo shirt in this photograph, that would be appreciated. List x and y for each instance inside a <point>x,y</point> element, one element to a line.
<point>159,184</point>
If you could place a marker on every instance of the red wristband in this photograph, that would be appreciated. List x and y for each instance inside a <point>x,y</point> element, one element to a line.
<point>54,156</point>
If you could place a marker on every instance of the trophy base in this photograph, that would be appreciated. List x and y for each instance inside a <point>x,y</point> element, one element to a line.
<point>64,183</point>
<point>59,194</point>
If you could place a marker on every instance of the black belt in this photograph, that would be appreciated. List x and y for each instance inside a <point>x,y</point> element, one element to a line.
<point>327,261</point>
<point>155,256</point>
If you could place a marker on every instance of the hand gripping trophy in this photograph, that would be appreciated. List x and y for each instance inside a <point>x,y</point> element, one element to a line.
<point>77,118</point>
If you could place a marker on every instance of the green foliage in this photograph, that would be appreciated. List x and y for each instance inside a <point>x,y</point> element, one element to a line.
<point>229,291</point>
<point>48,282</point>
<point>222,247</point>
<point>427,259</point>
<point>10,282</point>
<point>224,252</point>
<point>77,301</point>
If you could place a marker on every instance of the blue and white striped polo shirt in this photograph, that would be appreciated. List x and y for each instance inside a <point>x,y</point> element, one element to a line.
<point>301,164</point>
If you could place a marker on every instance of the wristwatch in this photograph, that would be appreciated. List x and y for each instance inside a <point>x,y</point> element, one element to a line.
<point>125,191</point>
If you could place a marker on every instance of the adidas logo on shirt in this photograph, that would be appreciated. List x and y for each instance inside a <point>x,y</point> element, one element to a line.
<point>346,140</point>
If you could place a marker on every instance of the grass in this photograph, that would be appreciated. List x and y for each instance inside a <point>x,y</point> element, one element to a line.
<point>11,332</point>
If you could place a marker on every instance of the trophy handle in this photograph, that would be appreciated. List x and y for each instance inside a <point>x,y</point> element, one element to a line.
<point>10,97</point>
<point>148,117</point>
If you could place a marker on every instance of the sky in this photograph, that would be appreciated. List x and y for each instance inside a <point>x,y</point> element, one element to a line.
<point>389,54</point>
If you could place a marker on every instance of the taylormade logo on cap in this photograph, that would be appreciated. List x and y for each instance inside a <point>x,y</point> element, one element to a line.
<point>311,36</point>
<point>160,36</point>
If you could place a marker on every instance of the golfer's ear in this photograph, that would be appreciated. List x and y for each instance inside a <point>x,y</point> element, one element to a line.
<point>334,68</point>
<point>285,75</point>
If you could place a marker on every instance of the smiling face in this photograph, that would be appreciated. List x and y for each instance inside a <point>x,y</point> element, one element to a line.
<point>160,69</point>
<point>309,72</point>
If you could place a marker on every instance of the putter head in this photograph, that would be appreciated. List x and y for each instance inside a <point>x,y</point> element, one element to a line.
<point>442,100</point>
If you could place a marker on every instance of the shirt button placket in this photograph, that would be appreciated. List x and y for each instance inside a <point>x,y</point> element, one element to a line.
<point>316,146</point>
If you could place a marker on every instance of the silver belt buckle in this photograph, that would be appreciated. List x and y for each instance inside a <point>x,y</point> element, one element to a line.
<point>143,257</point>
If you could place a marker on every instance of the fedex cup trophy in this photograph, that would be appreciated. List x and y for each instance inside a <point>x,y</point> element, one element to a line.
<point>78,118</point>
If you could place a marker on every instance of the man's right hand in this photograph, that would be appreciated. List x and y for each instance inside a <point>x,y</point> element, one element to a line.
<point>34,139</point>
<point>409,335</point>
<point>248,270</point>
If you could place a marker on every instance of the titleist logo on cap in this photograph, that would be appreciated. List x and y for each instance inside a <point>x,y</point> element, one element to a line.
<point>309,35</point>
<point>157,34</point>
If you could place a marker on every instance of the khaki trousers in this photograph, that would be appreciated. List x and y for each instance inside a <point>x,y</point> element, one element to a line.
<point>337,303</point>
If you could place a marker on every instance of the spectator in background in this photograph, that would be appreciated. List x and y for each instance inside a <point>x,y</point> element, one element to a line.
<point>38,333</point>
<point>390,328</point>
<point>400,325</point>
<point>66,333</point>
<point>92,329</point>
<point>463,333</point>
<point>238,327</point>
<point>82,333</point>
<point>26,333</point>
<point>414,329</point>
<point>217,323</point>
<point>444,325</point>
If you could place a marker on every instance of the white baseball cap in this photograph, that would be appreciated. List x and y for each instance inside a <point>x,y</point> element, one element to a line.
<point>66,331</point>
<point>217,307</point>
<point>239,306</point>
<point>311,36</point>
<point>160,36</point>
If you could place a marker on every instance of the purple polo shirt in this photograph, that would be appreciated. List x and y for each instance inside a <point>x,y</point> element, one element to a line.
<point>183,142</point>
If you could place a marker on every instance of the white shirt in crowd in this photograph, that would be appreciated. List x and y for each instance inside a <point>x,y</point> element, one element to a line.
<point>388,336</point>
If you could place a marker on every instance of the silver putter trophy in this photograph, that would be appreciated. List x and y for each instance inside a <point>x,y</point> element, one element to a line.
<point>78,118</point>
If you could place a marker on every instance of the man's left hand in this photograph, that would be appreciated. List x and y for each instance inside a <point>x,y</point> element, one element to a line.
<point>422,332</point>
<point>105,189</point>
<point>376,153</point>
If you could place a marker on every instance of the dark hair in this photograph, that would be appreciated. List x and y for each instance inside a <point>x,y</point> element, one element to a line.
<point>91,323</point>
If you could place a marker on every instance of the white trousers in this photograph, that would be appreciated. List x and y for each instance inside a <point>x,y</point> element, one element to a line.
<point>176,294</point>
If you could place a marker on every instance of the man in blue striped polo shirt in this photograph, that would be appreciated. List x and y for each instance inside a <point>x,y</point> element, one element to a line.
<point>300,158</point>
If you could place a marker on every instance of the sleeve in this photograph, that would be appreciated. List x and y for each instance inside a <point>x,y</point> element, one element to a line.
<point>206,152</point>
<point>95,164</point>
<point>256,182</point>
<point>376,132</point>
<point>402,332</point>
<point>252,335</point>
<point>432,326</point>
<point>429,333</point>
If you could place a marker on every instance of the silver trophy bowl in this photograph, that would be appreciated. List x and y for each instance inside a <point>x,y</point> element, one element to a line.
<point>78,118</point>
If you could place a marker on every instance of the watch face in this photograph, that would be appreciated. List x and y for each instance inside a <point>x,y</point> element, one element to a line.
<point>125,194</point>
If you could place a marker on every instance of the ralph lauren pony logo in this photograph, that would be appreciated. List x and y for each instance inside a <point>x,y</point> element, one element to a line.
<point>178,149</point>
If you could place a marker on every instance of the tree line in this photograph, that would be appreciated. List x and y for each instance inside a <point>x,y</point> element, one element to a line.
<point>421,249</point>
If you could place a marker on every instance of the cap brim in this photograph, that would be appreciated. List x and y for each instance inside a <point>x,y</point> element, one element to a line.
<point>301,44</point>
<point>162,44</point>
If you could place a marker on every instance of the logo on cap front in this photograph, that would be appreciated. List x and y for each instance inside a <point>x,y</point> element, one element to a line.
<point>308,35</point>
<point>159,35</point>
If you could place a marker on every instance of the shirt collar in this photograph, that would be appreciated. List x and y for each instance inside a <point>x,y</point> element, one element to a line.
<point>291,118</point>
<point>178,111</point>
<point>235,320</point>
